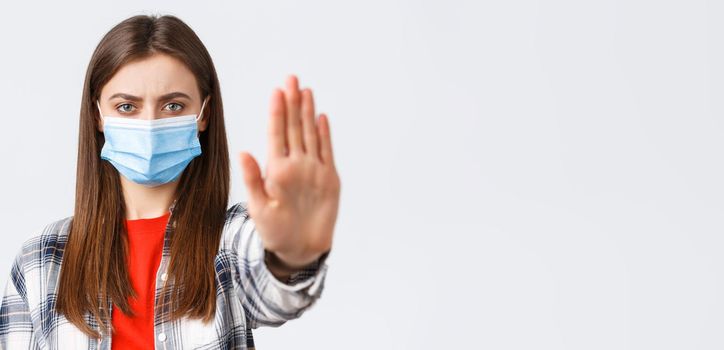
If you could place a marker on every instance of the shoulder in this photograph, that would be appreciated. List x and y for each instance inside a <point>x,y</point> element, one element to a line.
<point>237,222</point>
<point>237,211</point>
<point>46,246</point>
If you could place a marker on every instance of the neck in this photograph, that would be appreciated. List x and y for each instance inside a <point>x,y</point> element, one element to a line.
<point>147,202</point>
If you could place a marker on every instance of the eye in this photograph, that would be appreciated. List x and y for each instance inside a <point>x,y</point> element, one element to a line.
<point>174,107</point>
<point>125,108</point>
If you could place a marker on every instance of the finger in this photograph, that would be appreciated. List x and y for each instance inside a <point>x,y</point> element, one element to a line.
<point>308,124</point>
<point>325,140</point>
<point>277,128</point>
<point>294,123</point>
<point>252,179</point>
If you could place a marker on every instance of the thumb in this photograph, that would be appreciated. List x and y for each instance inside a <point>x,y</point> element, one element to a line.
<point>252,178</point>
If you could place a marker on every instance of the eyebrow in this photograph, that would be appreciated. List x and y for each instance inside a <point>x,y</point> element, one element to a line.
<point>175,94</point>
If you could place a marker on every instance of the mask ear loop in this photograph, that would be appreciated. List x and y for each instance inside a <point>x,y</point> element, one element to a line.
<point>202,109</point>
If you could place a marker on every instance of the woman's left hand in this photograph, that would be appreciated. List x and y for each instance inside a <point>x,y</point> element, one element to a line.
<point>295,204</point>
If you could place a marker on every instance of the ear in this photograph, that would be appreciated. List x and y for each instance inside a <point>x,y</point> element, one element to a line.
<point>204,121</point>
<point>99,119</point>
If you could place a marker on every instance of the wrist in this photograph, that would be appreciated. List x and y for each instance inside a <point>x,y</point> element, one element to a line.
<point>282,267</point>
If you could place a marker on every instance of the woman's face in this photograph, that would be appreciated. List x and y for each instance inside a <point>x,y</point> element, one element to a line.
<point>159,86</point>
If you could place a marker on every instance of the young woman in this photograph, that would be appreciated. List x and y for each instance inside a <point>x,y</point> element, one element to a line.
<point>153,256</point>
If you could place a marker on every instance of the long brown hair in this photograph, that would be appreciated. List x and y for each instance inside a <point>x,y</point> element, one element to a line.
<point>94,261</point>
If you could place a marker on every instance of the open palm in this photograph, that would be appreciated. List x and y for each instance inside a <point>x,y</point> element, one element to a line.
<point>295,204</point>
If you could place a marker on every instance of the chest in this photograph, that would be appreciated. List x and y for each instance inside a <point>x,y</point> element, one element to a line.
<point>227,330</point>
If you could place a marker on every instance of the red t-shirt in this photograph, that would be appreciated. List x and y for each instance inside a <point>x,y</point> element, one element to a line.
<point>145,247</point>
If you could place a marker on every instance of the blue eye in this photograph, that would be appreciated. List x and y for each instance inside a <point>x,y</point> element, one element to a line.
<point>176,106</point>
<point>122,108</point>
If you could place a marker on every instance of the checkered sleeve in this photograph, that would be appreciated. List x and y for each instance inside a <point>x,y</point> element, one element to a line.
<point>16,328</point>
<point>266,300</point>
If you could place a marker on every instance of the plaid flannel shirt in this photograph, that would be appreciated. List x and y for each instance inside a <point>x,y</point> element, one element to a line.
<point>248,295</point>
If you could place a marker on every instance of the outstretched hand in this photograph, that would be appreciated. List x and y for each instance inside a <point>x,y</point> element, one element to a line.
<point>295,204</point>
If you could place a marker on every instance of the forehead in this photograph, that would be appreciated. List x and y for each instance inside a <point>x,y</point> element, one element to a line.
<point>152,76</point>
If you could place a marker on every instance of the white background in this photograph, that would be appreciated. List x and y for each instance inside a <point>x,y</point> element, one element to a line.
<point>515,174</point>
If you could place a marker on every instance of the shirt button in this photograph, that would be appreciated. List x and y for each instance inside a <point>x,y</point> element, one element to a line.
<point>164,276</point>
<point>162,336</point>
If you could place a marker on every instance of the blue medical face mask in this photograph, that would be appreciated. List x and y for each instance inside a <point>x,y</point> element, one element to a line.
<point>151,152</point>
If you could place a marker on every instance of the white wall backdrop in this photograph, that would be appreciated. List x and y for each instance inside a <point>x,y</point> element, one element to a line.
<point>515,174</point>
